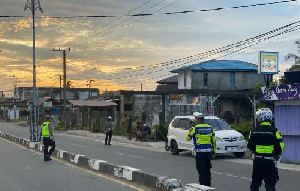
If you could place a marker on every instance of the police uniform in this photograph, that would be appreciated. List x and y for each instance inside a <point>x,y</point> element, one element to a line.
<point>205,145</point>
<point>46,134</point>
<point>266,143</point>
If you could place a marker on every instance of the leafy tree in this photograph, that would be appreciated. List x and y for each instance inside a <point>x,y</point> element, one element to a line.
<point>295,57</point>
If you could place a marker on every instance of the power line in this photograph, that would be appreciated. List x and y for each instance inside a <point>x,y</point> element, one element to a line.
<point>153,14</point>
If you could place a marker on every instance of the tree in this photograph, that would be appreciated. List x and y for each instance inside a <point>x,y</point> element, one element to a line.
<point>69,84</point>
<point>296,58</point>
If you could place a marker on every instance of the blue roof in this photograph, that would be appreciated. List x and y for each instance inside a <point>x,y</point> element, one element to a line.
<point>220,65</point>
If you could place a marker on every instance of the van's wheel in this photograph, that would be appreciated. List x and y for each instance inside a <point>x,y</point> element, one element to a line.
<point>167,148</point>
<point>174,148</point>
<point>239,154</point>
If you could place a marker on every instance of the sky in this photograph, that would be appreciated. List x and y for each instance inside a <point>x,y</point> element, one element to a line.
<point>119,52</point>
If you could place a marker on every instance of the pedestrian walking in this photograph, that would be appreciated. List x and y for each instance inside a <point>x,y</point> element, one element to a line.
<point>48,138</point>
<point>129,127</point>
<point>108,130</point>
<point>204,147</point>
<point>265,142</point>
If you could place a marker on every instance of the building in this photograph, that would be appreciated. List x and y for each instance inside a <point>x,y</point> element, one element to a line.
<point>26,93</point>
<point>286,98</point>
<point>221,75</point>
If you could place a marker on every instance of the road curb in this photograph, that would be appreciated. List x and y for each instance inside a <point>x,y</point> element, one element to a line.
<point>151,180</point>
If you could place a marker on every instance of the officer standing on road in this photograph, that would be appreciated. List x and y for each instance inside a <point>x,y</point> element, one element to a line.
<point>205,147</point>
<point>265,141</point>
<point>108,130</point>
<point>48,139</point>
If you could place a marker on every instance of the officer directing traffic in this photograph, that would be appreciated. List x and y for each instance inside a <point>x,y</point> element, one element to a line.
<point>265,141</point>
<point>48,139</point>
<point>205,147</point>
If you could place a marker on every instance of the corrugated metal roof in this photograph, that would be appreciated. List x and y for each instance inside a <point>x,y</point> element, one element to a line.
<point>90,103</point>
<point>220,65</point>
<point>172,79</point>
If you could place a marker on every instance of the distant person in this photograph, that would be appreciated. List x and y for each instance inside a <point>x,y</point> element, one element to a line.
<point>139,131</point>
<point>108,130</point>
<point>205,147</point>
<point>146,132</point>
<point>129,127</point>
<point>48,138</point>
<point>265,141</point>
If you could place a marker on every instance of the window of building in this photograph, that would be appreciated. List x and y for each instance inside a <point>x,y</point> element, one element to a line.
<point>205,80</point>
<point>184,79</point>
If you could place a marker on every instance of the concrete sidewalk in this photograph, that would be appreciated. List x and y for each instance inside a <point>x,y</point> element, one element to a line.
<point>118,139</point>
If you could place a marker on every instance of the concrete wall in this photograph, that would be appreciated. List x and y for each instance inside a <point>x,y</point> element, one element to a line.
<point>220,80</point>
<point>149,105</point>
<point>188,80</point>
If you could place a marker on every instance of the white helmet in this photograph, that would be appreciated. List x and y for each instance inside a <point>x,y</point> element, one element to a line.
<point>198,115</point>
<point>264,114</point>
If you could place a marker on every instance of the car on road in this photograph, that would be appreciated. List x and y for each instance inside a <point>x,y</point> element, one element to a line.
<point>228,140</point>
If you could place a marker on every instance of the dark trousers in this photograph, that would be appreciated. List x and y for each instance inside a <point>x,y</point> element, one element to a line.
<point>48,142</point>
<point>203,165</point>
<point>108,137</point>
<point>264,169</point>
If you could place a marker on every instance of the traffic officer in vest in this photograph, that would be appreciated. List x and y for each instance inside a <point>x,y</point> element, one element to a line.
<point>48,139</point>
<point>205,147</point>
<point>265,142</point>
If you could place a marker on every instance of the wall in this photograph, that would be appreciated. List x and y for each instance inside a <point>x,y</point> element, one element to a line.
<point>287,121</point>
<point>188,80</point>
<point>221,80</point>
<point>149,105</point>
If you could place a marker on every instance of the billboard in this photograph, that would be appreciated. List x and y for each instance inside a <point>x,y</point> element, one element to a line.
<point>268,62</point>
<point>183,99</point>
<point>282,92</point>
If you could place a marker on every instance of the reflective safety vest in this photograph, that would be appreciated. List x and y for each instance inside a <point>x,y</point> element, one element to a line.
<point>265,140</point>
<point>203,137</point>
<point>45,129</point>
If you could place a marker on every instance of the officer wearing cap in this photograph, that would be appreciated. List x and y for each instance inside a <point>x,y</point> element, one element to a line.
<point>48,138</point>
<point>108,130</point>
<point>205,147</point>
<point>265,141</point>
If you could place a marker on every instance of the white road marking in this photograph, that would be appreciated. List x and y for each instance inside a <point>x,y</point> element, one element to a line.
<point>121,154</point>
<point>135,156</point>
<point>78,145</point>
<point>230,175</point>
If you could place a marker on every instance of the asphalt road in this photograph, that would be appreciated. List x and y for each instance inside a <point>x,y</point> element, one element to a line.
<point>228,174</point>
<point>23,170</point>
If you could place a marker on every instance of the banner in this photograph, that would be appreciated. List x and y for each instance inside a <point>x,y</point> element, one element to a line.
<point>183,99</point>
<point>268,62</point>
<point>282,92</point>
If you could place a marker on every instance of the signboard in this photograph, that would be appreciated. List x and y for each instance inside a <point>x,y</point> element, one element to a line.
<point>48,104</point>
<point>183,99</point>
<point>282,92</point>
<point>268,62</point>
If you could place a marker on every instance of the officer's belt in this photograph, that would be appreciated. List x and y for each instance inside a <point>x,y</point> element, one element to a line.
<point>268,158</point>
<point>203,150</point>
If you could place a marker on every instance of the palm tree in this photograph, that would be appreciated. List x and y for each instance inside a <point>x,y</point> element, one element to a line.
<point>296,58</point>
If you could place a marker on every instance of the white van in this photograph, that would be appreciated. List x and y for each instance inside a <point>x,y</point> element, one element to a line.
<point>228,140</point>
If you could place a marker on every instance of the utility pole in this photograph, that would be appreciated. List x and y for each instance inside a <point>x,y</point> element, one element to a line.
<point>90,86</point>
<point>60,89</point>
<point>141,87</point>
<point>64,52</point>
<point>33,5</point>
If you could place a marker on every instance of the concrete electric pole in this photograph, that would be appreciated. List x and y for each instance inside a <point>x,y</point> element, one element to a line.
<point>33,5</point>
<point>64,52</point>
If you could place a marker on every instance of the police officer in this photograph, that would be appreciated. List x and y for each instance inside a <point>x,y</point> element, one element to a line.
<point>205,147</point>
<point>48,139</point>
<point>265,141</point>
<point>108,130</point>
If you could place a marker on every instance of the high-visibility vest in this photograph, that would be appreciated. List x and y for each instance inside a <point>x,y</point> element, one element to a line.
<point>45,129</point>
<point>203,137</point>
<point>268,147</point>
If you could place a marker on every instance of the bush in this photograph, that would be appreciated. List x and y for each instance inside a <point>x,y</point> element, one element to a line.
<point>244,128</point>
<point>161,131</point>
<point>60,127</point>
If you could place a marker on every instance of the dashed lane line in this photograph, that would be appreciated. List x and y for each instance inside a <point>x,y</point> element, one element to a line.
<point>231,175</point>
